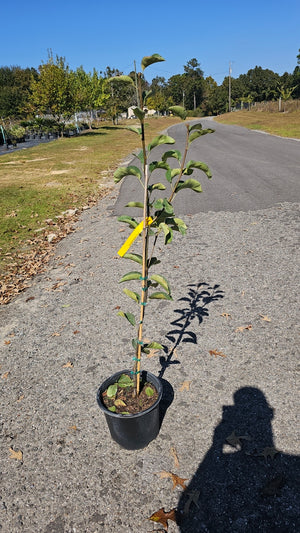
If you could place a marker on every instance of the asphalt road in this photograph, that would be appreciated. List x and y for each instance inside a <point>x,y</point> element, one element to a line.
<point>251,170</point>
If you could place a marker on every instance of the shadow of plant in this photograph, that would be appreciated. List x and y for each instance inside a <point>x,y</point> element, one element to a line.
<point>200,295</point>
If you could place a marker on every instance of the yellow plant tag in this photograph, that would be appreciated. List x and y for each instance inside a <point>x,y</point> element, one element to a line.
<point>133,236</point>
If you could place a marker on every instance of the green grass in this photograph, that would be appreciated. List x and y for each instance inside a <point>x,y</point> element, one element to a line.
<point>40,183</point>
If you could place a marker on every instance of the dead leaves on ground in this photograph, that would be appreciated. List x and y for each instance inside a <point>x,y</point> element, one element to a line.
<point>185,386</point>
<point>20,267</point>
<point>16,454</point>
<point>235,440</point>
<point>216,353</point>
<point>69,364</point>
<point>175,457</point>
<point>177,481</point>
<point>242,328</point>
<point>162,517</point>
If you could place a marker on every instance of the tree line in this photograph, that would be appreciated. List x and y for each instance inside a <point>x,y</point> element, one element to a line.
<point>56,90</point>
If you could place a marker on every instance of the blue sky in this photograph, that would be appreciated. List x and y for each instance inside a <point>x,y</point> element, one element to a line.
<point>98,33</point>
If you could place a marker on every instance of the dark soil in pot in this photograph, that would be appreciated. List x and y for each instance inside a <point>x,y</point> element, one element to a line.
<point>125,400</point>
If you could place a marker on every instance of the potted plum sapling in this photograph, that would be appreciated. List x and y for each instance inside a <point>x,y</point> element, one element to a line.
<point>130,398</point>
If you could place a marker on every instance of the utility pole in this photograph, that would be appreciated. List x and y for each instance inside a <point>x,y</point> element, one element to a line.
<point>183,95</point>
<point>136,86</point>
<point>229,88</point>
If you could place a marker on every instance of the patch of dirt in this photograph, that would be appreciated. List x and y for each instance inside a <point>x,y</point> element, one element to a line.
<point>56,172</point>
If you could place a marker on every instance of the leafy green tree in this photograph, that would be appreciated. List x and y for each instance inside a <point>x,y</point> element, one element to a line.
<point>260,83</point>
<point>296,78</point>
<point>120,93</point>
<point>159,99</point>
<point>53,91</point>
<point>15,91</point>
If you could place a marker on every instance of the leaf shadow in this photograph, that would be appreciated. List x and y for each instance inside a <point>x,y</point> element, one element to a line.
<point>199,297</point>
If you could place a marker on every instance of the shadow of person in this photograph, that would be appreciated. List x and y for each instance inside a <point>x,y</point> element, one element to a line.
<point>243,483</point>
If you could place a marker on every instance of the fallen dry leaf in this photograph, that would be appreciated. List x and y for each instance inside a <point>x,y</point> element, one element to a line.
<point>175,457</point>
<point>216,353</point>
<point>21,398</point>
<point>269,451</point>
<point>266,318</point>
<point>185,386</point>
<point>177,481</point>
<point>55,334</point>
<point>235,440</point>
<point>30,298</point>
<point>226,315</point>
<point>162,516</point>
<point>241,328</point>
<point>5,376</point>
<point>152,352</point>
<point>7,342</point>
<point>193,497</point>
<point>16,454</point>
<point>76,331</point>
<point>68,365</point>
<point>73,428</point>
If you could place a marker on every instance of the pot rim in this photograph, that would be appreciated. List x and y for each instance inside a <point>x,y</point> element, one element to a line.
<point>149,376</point>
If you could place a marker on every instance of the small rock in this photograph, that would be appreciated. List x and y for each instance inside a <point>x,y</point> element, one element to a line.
<point>51,237</point>
<point>70,212</point>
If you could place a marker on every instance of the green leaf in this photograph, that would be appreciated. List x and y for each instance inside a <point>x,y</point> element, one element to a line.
<point>135,130</point>
<point>178,111</point>
<point>121,172</point>
<point>162,281</point>
<point>112,390</point>
<point>129,220</point>
<point>160,296</point>
<point>119,403</point>
<point>181,225</point>
<point>133,295</point>
<point>134,257</point>
<point>153,261</point>
<point>170,174</point>
<point>197,126</point>
<point>160,139</point>
<point>171,153</point>
<point>149,60</point>
<point>168,207</point>
<point>159,204</point>
<point>139,113</point>
<point>194,136</point>
<point>135,204</point>
<point>189,184</point>
<point>199,133</point>
<point>113,409</point>
<point>158,186</point>
<point>146,95</point>
<point>199,165</point>
<point>167,231</point>
<point>158,164</point>
<point>130,275</point>
<point>154,346</point>
<point>125,381</point>
<point>121,79</point>
<point>149,391</point>
<point>130,317</point>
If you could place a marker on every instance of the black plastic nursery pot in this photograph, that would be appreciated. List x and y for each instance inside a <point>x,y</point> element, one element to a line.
<point>136,431</point>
